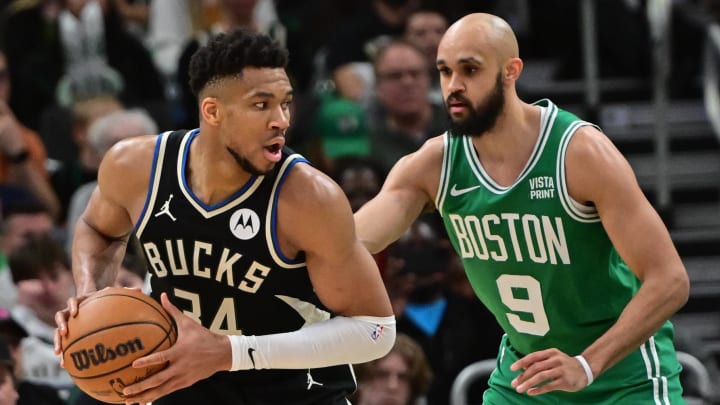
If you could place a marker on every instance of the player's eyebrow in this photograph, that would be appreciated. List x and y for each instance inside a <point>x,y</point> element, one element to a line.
<point>267,94</point>
<point>469,59</point>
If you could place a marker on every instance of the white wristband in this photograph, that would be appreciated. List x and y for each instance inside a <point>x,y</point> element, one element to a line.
<point>586,367</point>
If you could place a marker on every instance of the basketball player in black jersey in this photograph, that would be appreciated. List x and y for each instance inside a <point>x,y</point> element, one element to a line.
<point>251,250</point>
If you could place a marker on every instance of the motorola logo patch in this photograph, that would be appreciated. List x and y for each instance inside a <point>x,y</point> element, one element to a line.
<point>244,224</point>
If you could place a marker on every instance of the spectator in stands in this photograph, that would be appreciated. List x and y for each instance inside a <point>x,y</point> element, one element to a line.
<point>73,174</point>
<point>81,46</point>
<point>44,281</point>
<point>169,28</point>
<point>360,179</point>
<point>401,377</point>
<point>402,117</point>
<point>23,219</point>
<point>340,129</point>
<point>354,40</point>
<point>132,272</point>
<point>713,6</point>
<point>8,392</point>
<point>102,134</point>
<point>22,153</point>
<point>424,29</point>
<point>12,334</point>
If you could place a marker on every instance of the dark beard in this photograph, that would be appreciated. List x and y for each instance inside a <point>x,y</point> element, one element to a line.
<point>482,118</point>
<point>245,164</point>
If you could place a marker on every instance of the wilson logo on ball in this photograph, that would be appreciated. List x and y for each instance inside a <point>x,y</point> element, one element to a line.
<point>85,358</point>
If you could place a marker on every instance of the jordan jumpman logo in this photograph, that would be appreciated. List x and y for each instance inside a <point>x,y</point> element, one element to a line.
<point>165,209</point>
<point>311,382</point>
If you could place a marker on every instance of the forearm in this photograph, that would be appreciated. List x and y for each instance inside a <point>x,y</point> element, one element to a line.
<point>656,301</point>
<point>378,224</point>
<point>340,340</point>
<point>95,258</point>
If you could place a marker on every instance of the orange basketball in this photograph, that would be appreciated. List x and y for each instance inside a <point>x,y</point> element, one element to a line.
<point>114,327</point>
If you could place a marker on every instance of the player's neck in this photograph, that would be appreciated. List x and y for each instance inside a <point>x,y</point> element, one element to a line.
<point>504,150</point>
<point>213,174</point>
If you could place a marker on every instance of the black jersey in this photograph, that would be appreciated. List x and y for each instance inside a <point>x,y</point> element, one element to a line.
<point>222,266</point>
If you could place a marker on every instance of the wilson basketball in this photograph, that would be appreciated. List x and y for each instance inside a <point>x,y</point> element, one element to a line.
<point>114,327</point>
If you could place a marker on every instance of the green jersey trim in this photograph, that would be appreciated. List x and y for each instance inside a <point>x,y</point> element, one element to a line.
<point>548,115</point>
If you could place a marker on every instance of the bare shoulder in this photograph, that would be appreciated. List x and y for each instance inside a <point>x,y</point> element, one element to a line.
<point>589,142</point>
<point>308,188</point>
<point>130,152</point>
<point>313,213</point>
<point>125,168</point>
<point>594,165</point>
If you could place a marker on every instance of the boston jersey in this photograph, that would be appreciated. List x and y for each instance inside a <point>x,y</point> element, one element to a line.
<point>541,262</point>
<point>222,266</point>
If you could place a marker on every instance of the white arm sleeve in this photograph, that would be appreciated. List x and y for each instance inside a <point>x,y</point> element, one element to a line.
<point>339,340</point>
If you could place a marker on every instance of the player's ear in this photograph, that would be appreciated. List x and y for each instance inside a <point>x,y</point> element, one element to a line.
<point>210,110</point>
<point>512,69</point>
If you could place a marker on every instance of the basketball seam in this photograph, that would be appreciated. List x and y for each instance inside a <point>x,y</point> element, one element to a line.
<point>151,302</point>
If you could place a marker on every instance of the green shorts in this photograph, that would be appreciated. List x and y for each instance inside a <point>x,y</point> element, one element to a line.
<point>649,375</point>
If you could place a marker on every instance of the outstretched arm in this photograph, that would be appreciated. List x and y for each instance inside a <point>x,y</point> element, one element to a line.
<point>408,190</point>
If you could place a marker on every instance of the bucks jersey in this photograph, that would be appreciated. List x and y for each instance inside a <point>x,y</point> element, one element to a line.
<point>540,261</point>
<point>221,265</point>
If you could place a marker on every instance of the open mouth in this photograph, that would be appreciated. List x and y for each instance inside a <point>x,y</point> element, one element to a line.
<point>273,152</point>
<point>274,148</point>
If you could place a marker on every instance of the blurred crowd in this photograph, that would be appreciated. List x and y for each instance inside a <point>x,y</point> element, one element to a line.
<point>77,76</point>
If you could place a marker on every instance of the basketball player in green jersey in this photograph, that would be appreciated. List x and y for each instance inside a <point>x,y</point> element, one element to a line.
<point>556,237</point>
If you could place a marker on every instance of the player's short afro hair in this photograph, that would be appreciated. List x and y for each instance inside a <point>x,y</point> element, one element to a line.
<point>227,54</point>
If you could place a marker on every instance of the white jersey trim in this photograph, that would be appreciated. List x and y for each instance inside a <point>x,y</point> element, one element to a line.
<point>277,256</point>
<point>547,118</point>
<point>189,195</point>
<point>652,367</point>
<point>154,183</point>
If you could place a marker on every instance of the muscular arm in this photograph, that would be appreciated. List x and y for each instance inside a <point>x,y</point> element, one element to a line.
<point>640,237</point>
<point>408,190</point>
<point>315,217</point>
<point>103,229</point>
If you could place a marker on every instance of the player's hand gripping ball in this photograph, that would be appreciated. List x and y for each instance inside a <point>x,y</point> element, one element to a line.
<point>114,327</point>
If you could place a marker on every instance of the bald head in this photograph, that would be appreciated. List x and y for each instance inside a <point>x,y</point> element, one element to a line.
<point>483,30</point>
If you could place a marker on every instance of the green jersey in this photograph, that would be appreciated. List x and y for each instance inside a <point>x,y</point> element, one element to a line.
<point>541,262</point>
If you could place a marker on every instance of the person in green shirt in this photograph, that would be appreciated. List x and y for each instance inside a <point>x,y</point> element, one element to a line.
<point>556,237</point>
